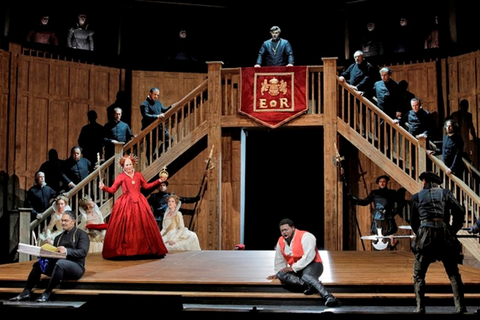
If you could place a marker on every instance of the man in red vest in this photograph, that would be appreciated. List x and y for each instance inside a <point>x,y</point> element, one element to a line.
<point>298,263</point>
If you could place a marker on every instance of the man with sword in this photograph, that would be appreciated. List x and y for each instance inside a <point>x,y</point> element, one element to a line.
<point>387,204</point>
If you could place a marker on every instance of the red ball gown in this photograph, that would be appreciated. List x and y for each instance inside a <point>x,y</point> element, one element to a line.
<point>132,230</point>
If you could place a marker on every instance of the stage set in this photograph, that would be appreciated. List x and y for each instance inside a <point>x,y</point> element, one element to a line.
<point>227,282</point>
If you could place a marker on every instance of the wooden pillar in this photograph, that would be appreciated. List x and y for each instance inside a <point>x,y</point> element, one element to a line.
<point>24,232</point>
<point>214,187</point>
<point>333,208</point>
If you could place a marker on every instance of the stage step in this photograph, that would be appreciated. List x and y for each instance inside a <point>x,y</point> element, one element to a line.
<point>241,295</point>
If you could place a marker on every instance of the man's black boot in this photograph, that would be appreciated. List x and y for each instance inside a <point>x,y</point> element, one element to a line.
<point>330,300</point>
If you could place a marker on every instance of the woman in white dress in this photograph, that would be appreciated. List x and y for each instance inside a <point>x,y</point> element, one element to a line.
<point>174,233</point>
<point>54,228</point>
<point>92,222</point>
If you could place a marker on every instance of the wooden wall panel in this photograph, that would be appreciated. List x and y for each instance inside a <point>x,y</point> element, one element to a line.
<point>463,79</point>
<point>39,77</point>
<point>21,140</point>
<point>4,101</point>
<point>23,75</point>
<point>37,134</point>
<point>100,85</point>
<point>53,100</point>
<point>4,68</point>
<point>106,84</point>
<point>432,102</point>
<point>77,118</point>
<point>80,85</point>
<point>61,79</point>
<point>466,68</point>
<point>3,129</point>
<point>417,76</point>
<point>57,127</point>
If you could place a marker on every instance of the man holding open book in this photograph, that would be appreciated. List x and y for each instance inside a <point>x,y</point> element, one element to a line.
<point>74,244</point>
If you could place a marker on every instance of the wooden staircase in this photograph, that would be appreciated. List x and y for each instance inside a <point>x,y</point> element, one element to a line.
<point>364,134</point>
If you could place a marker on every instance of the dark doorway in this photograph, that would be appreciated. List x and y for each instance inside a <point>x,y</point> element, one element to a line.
<point>283,179</point>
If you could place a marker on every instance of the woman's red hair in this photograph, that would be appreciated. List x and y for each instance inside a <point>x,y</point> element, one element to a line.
<point>127,156</point>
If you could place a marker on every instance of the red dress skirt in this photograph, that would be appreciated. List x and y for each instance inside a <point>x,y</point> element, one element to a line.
<point>132,230</point>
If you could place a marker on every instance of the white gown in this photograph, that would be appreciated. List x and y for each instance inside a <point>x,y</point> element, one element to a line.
<point>173,228</point>
<point>96,235</point>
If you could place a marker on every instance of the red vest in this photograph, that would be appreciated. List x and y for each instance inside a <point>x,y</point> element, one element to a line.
<point>297,248</point>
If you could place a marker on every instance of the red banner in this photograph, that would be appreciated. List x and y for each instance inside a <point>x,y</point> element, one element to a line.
<point>274,95</point>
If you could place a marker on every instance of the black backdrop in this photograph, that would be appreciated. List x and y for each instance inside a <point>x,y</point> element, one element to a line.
<point>284,179</point>
<point>141,33</point>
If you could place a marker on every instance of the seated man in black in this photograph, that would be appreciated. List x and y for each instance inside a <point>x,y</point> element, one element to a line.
<point>74,243</point>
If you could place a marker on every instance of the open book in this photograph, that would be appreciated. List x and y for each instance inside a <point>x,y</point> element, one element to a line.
<point>45,251</point>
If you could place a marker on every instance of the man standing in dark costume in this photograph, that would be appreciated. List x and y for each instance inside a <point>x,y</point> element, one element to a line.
<point>387,204</point>
<point>275,51</point>
<point>436,240</point>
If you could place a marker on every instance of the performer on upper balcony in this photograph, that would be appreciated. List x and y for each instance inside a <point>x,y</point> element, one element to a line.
<point>275,51</point>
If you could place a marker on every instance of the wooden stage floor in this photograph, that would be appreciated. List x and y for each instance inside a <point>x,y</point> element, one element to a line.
<point>235,281</point>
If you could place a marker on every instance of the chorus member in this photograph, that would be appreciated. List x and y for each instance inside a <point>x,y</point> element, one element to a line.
<point>151,110</point>
<point>76,168</point>
<point>40,196</point>
<point>115,131</point>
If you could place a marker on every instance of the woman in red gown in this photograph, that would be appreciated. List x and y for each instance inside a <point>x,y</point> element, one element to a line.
<point>132,231</point>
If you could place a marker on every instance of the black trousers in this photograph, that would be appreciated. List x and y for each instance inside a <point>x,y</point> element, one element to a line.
<point>62,269</point>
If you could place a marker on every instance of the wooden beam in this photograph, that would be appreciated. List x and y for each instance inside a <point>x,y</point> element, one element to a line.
<point>214,115</point>
<point>333,209</point>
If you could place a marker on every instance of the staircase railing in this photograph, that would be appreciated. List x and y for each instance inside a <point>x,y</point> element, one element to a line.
<point>394,147</point>
<point>181,121</point>
<point>368,124</point>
